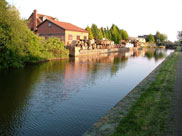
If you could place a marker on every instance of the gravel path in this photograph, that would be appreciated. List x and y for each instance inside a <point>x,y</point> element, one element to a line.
<point>176,115</point>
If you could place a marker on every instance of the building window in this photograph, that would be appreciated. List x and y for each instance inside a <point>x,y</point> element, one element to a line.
<point>85,37</point>
<point>70,37</point>
<point>78,37</point>
<point>49,24</point>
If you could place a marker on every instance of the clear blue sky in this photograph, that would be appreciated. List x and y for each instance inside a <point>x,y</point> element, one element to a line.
<point>138,17</point>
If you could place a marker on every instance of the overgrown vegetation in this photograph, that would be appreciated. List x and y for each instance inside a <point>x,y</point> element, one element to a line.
<point>18,45</point>
<point>150,39</point>
<point>178,48</point>
<point>179,36</point>
<point>149,115</point>
<point>114,33</point>
<point>158,38</point>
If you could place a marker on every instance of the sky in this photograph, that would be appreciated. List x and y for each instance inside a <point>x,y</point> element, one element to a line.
<point>137,17</point>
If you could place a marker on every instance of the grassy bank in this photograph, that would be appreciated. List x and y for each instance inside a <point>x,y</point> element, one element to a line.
<point>148,116</point>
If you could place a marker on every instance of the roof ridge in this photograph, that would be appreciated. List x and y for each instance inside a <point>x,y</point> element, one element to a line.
<point>66,25</point>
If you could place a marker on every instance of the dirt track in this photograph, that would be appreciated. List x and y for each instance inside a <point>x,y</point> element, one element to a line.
<point>175,128</point>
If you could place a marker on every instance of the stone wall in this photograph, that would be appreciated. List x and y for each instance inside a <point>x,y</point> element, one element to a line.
<point>75,51</point>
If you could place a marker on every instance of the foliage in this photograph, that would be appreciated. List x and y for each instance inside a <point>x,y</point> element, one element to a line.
<point>179,36</point>
<point>114,33</point>
<point>160,38</point>
<point>150,39</point>
<point>96,32</point>
<point>124,35</point>
<point>178,49</point>
<point>100,36</point>
<point>103,32</point>
<point>90,33</point>
<point>54,48</point>
<point>18,45</point>
<point>108,33</point>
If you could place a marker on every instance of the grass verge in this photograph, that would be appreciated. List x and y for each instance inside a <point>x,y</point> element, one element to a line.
<point>149,115</point>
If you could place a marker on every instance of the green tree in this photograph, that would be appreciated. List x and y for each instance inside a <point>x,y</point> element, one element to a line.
<point>160,38</point>
<point>103,32</point>
<point>163,38</point>
<point>94,30</point>
<point>18,45</point>
<point>150,39</point>
<point>108,33</point>
<point>100,35</point>
<point>115,33</point>
<point>124,35</point>
<point>90,36</point>
<point>179,36</point>
<point>97,33</point>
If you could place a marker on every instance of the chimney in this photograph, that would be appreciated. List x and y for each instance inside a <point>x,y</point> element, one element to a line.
<point>35,20</point>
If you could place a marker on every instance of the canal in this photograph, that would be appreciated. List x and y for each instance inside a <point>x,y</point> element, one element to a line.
<point>64,98</point>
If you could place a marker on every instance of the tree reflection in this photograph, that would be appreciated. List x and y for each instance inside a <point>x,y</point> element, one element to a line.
<point>15,92</point>
<point>149,54</point>
<point>118,63</point>
<point>156,54</point>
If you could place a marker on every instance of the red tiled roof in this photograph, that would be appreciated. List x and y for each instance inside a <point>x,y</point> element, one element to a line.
<point>48,17</point>
<point>68,26</point>
<point>64,25</point>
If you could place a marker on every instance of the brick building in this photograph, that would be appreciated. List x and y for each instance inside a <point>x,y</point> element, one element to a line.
<point>48,26</point>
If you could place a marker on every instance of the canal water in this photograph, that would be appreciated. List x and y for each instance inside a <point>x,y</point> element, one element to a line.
<point>64,98</point>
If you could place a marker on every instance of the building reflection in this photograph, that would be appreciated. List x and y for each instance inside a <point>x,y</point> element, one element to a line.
<point>80,68</point>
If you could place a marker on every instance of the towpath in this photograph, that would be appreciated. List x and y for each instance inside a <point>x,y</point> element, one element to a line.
<point>176,117</point>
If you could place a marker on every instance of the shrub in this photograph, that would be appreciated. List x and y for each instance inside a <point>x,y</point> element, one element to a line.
<point>19,45</point>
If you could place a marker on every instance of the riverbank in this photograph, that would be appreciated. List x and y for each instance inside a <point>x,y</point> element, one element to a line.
<point>144,111</point>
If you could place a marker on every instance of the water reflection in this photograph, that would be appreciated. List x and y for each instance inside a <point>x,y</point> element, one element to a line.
<point>15,91</point>
<point>42,99</point>
<point>157,54</point>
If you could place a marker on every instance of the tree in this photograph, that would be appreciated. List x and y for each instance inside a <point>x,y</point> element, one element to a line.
<point>90,36</point>
<point>157,37</point>
<point>108,33</point>
<point>179,36</point>
<point>103,32</point>
<point>150,39</point>
<point>97,33</point>
<point>100,36</point>
<point>160,38</point>
<point>115,34</point>
<point>163,38</point>
<point>124,35</point>
<point>19,45</point>
<point>94,30</point>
